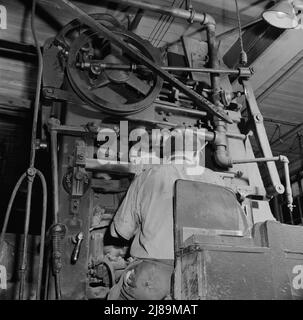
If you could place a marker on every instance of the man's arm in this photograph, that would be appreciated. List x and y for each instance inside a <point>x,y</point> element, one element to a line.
<point>125,220</point>
<point>113,231</point>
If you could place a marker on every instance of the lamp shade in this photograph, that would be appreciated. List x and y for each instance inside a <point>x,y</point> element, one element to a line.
<point>282,15</point>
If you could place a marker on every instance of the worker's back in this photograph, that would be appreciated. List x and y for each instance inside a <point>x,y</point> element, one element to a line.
<point>154,190</point>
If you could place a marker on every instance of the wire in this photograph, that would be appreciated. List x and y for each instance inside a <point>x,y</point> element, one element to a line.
<point>243,55</point>
<point>38,87</point>
<point>153,38</point>
<point>170,22</point>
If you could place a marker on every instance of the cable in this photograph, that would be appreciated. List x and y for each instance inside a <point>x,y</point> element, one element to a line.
<point>9,207</point>
<point>243,55</point>
<point>38,87</point>
<point>42,233</point>
<point>160,27</point>
<point>30,174</point>
<point>168,25</point>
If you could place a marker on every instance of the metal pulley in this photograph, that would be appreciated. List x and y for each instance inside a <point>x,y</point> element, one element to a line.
<point>120,92</point>
<point>72,30</point>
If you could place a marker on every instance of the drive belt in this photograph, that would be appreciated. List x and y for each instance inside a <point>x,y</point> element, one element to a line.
<point>198,99</point>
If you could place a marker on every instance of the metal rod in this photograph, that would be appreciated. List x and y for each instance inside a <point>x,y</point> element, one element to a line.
<point>240,161</point>
<point>285,161</point>
<point>198,99</point>
<point>202,70</point>
<point>54,168</point>
<point>236,135</point>
<point>193,112</point>
<point>133,67</point>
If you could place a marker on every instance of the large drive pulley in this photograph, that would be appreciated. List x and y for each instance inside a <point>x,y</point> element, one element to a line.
<point>75,28</point>
<point>114,91</point>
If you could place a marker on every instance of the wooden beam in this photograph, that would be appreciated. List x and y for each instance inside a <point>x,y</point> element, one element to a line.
<point>12,102</point>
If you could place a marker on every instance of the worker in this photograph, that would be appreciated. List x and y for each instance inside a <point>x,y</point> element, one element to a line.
<point>146,215</point>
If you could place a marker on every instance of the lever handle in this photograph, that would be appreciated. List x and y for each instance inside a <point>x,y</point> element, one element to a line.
<point>75,255</point>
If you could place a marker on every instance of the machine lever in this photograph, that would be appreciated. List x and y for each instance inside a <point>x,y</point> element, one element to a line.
<point>78,240</point>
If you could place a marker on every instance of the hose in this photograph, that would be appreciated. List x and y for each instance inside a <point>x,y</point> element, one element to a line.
<point>43,227</point>
<point>9,207</point>
<point>38,87</point>
<point>30,174</point>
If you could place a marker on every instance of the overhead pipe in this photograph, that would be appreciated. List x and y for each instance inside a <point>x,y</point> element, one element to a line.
<point>189,15</point>
<point>221,153</point>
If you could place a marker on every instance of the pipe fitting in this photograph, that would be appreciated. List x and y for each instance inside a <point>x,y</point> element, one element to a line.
<point>220,139</point>
<point>53,123</point>
<point>222,158</point>
<point>283,159</point>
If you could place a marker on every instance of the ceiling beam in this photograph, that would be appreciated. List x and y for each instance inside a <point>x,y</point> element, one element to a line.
<point>277,56</point>
<point>280,77</point>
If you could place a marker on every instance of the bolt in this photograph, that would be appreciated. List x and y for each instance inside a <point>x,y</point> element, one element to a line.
<point>239,174</point>
<point>258,117</point>
<point>79,175</point>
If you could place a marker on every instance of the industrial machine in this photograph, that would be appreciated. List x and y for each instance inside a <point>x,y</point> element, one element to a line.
<point>99,81</point>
